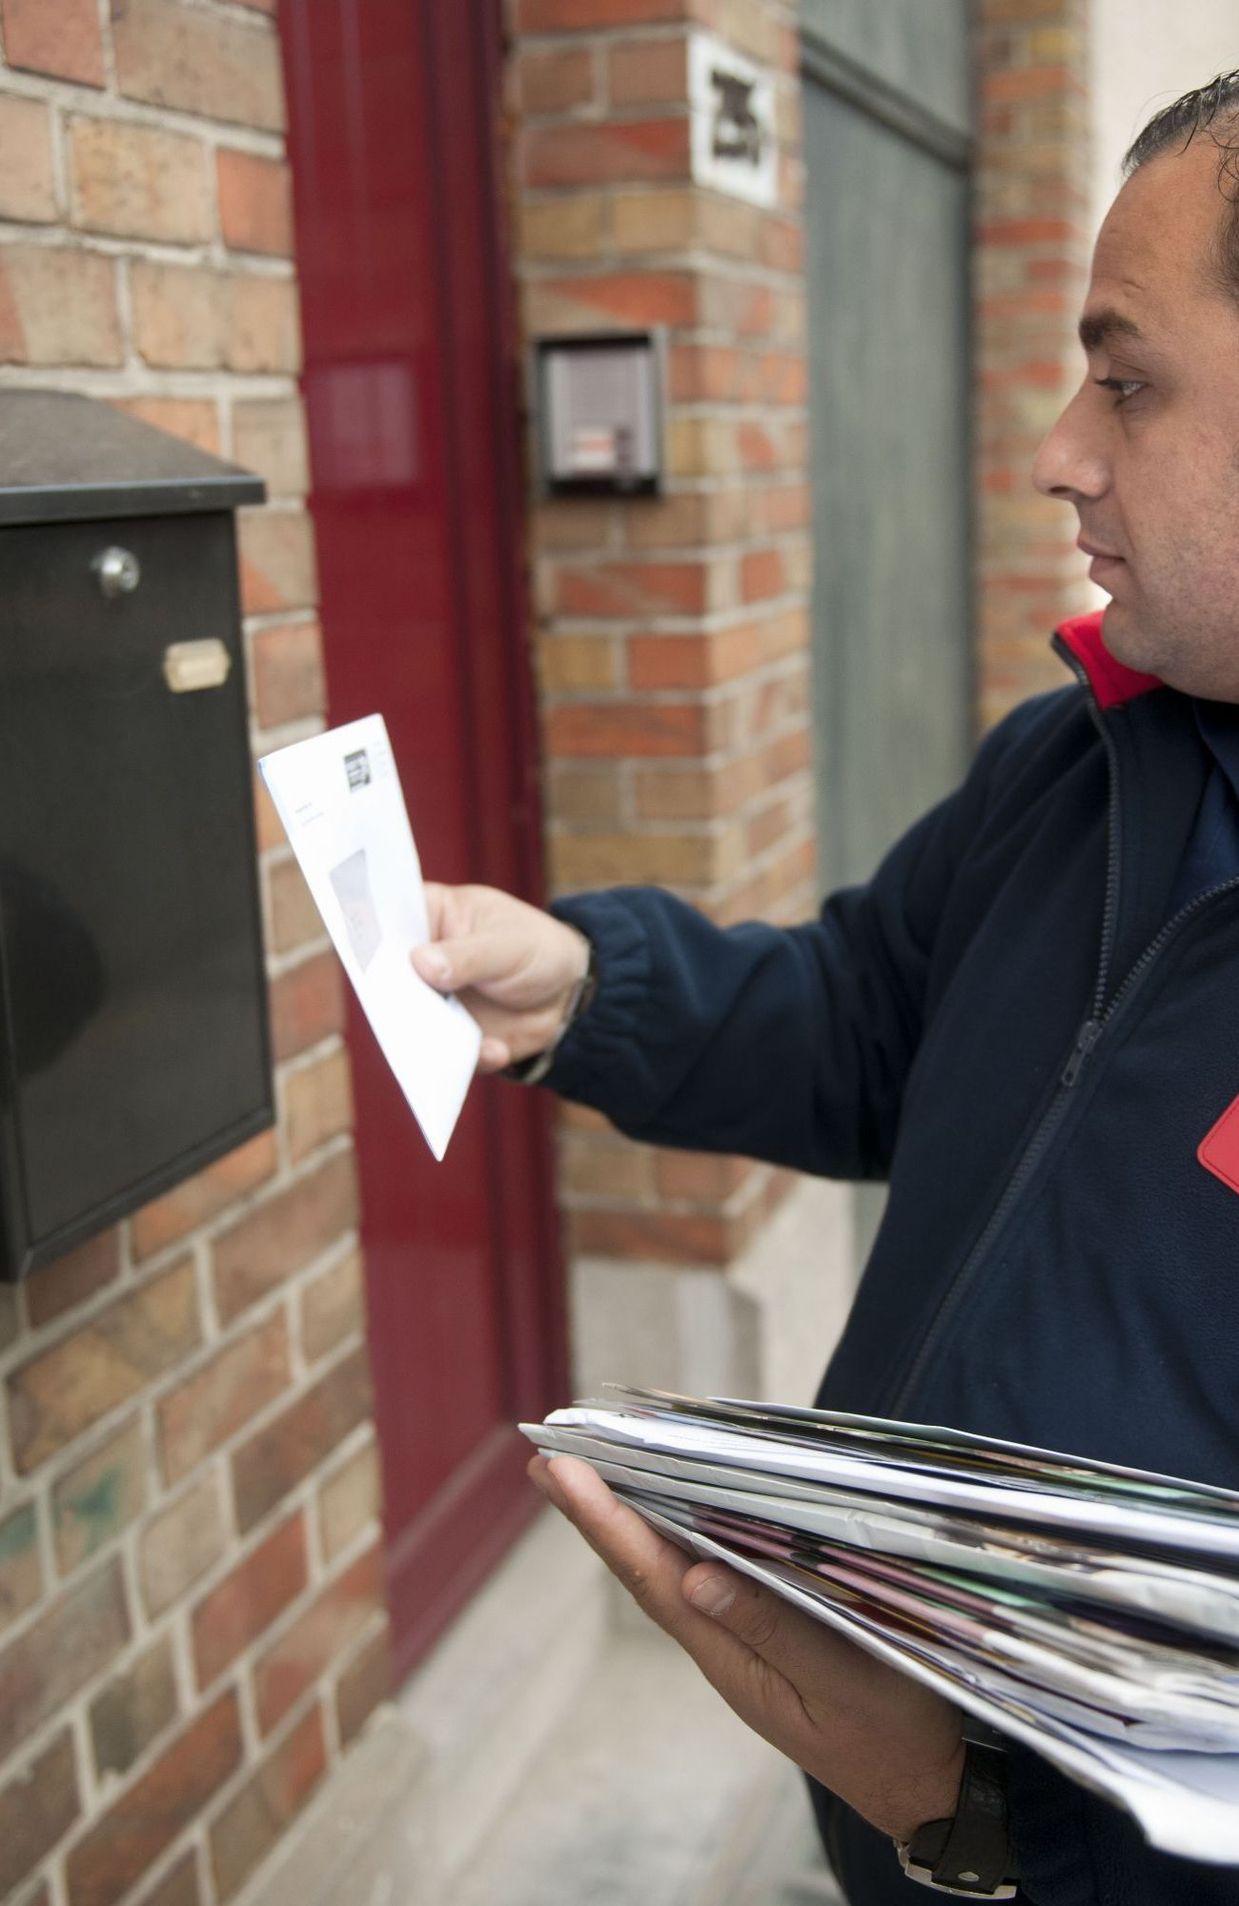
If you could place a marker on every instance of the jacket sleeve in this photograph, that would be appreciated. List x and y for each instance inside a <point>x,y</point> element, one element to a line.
<point>787,1044</point>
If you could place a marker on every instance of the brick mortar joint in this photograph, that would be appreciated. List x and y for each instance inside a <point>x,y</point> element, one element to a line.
<point>139,380</point>
<point>765,609</point>
<point>710,827</point>
<point>311,948</point>
<point>237,12</point>
<point>707,694</point>
<point>266,740</point>
<point>626,33</point>
<point>83,1750</point>
<point>738,410</point>
<point>259,621</point>
<point>728,549</point>
<point>109,105</point>
<point>613,192</point>
<point>619,114</point>
<point>715,893</point>
<point>204,258</point>
<point>715,559</point>
<point>694,260</point>
<point>304,1061</point>
<point>768,857</point>
<point>280,965</point>
<point>715,760</point>
<point>653,1203</point>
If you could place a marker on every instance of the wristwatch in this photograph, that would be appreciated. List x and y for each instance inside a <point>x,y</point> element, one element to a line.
<point>968,1856</point>
<point>532,1070</point>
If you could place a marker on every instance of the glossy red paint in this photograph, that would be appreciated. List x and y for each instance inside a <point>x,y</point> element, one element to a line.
<point>412,394</point>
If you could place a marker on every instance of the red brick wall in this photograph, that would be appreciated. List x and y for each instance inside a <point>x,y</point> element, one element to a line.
<point>672,635</point>
<point>1031,266</point>
<point>191,1623</point>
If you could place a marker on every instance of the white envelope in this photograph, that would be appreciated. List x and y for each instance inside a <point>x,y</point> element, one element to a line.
<point>339,798</point>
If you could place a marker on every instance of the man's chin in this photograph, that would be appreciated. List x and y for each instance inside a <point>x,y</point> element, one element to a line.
<point>1126,641</point>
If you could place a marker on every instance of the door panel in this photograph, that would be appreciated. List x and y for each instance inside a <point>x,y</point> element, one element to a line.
<point>886,153</point>
<point>411,395</point>
<point>917,48</point>
<point>887,232</point>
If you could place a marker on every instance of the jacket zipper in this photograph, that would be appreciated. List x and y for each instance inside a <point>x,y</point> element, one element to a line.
<point>1086,1039</point>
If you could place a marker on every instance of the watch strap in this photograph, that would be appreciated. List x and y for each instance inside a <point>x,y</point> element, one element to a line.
<point>533,1070</point>
<point>969,1855</point>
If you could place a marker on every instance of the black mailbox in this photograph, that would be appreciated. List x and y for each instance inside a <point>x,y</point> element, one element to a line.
<point>134,1045</point>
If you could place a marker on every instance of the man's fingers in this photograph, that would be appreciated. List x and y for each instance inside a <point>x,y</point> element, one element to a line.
<point>649,1567</point>
<point>834,1679</point>
<point>437,898</point>
<point>782,1635</point>
<point>795,1645</point>
<point>471,959</point>
<point>659,1575</point>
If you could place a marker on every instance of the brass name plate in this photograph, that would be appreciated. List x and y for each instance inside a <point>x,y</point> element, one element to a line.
<point>188,666</point>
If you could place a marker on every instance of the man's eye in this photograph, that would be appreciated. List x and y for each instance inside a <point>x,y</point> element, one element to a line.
<point>1123,387</point>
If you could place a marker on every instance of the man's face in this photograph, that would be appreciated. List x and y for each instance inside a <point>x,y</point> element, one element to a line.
<point>1148,448</point>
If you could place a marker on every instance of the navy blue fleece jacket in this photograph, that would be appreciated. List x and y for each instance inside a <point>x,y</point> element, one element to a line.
<point>1014,1027</point>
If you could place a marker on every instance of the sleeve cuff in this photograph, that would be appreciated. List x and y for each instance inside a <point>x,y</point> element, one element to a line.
<point>600,1036</point>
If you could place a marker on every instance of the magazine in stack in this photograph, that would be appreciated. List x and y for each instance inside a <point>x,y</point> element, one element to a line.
<point>1087,1610</point>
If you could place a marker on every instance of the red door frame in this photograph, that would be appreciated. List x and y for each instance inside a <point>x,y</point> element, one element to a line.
<point>412,393</point>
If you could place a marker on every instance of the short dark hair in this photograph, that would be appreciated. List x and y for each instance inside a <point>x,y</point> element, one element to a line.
<point>1211,111</point>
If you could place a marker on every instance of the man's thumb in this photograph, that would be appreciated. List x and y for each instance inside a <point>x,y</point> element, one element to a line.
<point>474,959</point>
<point>713,1593</point>
<point>434,966</point>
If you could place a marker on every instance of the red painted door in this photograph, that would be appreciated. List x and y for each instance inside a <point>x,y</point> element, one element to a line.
<point>411,390</point>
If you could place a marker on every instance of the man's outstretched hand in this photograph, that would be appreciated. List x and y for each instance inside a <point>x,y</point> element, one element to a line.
<point>883,1743</point>
<point>511,964</point>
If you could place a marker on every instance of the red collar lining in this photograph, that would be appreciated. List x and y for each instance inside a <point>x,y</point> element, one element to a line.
<point>1112,682</point>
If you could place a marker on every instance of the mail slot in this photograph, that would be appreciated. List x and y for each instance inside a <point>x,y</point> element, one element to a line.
<point>134,1046</point>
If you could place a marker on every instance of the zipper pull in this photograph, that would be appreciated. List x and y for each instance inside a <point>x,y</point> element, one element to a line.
<point>1086,1039</point>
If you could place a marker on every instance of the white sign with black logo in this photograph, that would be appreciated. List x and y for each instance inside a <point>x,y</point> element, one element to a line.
<point>733,138</point>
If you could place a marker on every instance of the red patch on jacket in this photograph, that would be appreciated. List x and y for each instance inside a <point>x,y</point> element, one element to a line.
<point>1218,1151</point>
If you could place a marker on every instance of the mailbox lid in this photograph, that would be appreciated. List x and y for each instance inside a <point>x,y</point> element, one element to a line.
<point>130,941</point>
<point>67,458</point>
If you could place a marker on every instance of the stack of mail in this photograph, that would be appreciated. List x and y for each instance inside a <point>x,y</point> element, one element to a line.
<point>1089,1611</point>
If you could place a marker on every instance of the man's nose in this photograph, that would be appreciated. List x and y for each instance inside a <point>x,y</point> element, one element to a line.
<point>1070,462</point>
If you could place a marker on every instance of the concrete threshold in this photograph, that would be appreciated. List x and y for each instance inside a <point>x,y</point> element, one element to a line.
<point>557,1750</point>
<point>651,1793</point>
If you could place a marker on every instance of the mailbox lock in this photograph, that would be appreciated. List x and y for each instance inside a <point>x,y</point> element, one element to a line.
<point>118,571</point>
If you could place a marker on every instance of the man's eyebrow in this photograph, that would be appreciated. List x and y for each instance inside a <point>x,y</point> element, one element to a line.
<point>1098,327</point>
